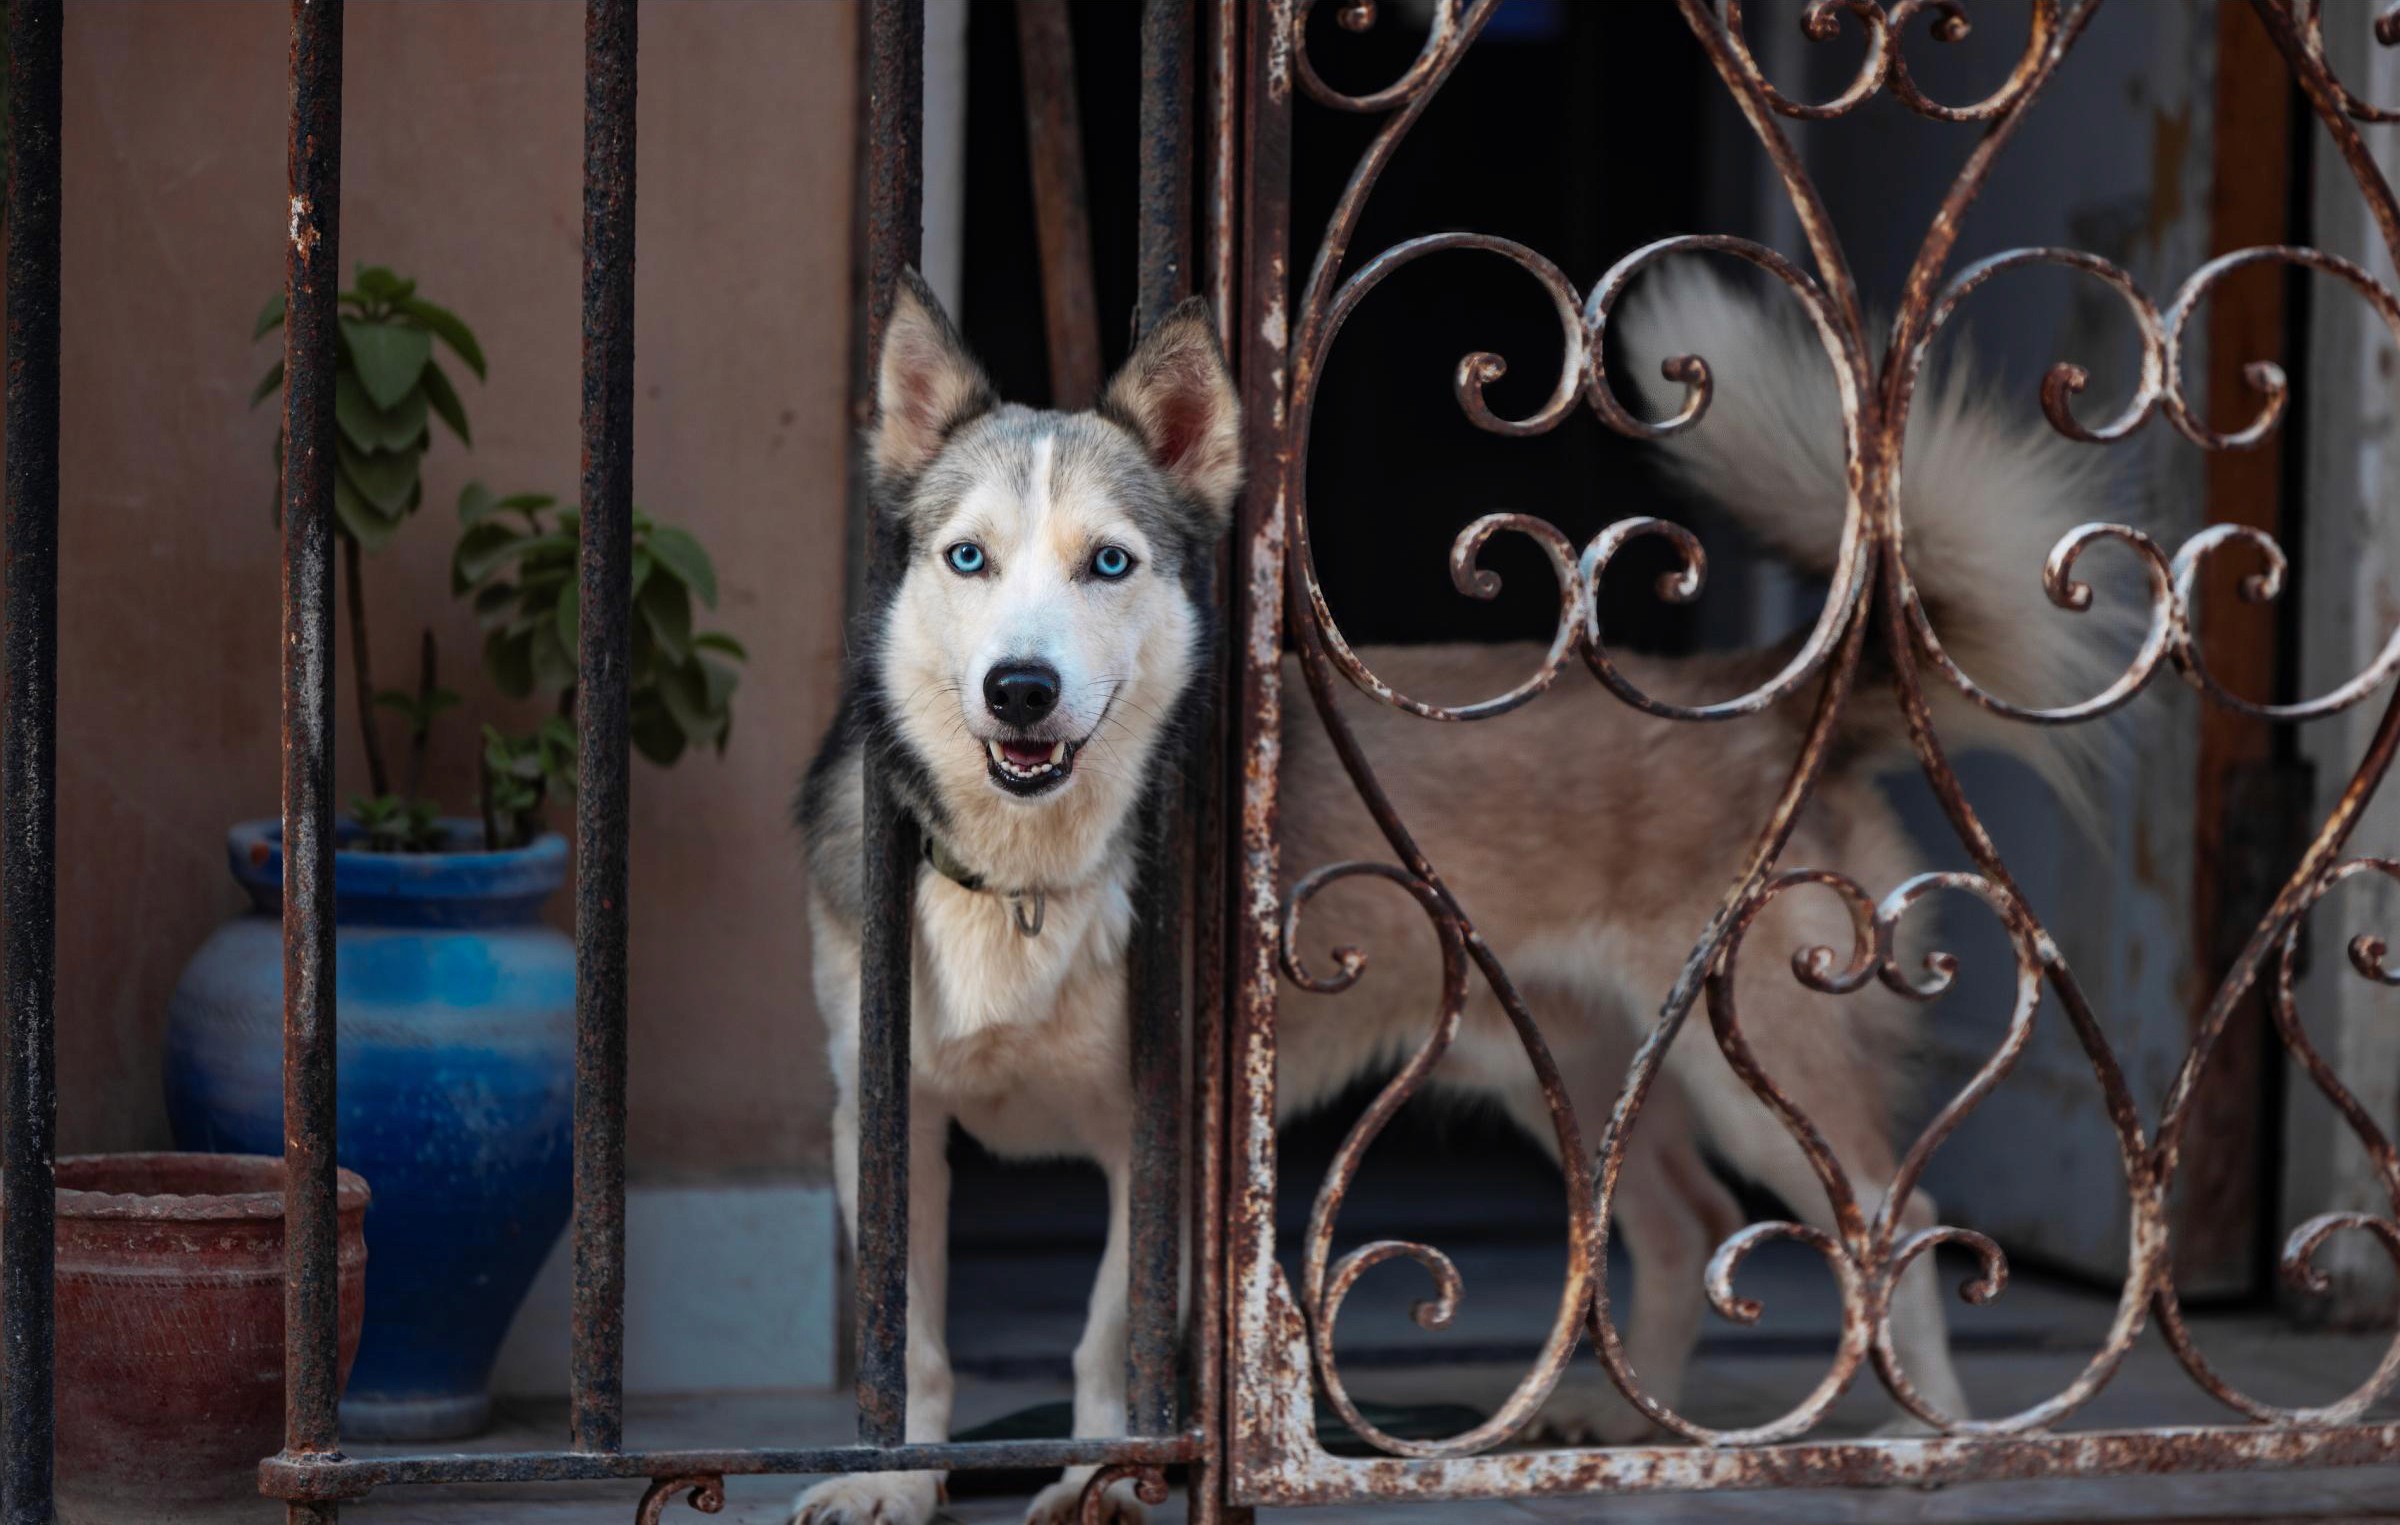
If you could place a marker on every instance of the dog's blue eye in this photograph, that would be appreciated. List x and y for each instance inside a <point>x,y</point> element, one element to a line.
<point>965,558</point>
<point>1112,562</point>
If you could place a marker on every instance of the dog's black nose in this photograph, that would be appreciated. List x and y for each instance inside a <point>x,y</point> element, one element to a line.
<point>1021,693</point>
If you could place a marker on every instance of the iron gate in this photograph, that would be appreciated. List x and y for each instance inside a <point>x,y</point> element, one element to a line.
<point>1280,1348</point>
<point>311,1474</point>
<point>1258,1352</point>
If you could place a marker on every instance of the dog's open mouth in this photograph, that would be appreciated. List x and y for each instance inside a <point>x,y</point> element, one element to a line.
<point>1030,767</point>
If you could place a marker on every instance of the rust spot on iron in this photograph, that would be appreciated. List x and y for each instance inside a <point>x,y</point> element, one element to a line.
<point>304,228</point>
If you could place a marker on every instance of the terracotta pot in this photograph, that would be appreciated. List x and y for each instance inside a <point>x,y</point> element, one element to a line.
<point>170,1330</point>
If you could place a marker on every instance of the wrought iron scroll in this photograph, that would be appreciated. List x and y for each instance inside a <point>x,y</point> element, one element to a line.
<point>706,1490</point>
<point>1094,1507</point>
<point>1876,379</point>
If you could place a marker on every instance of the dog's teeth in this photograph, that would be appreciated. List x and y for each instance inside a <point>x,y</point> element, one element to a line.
<point>1056,763</point>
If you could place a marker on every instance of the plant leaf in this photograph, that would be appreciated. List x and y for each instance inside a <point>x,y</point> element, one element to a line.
<point>475,502</point>
<point>509,660</point>
<point>446,327</point>
<point>385,478</point>
<point>370,427</point>
<point>492,602</point>
<point>667,609</point>
<point>379,282</point>
<point>550,547</point>
<point>268,385</point>
<point>360,420</point>
<point>683,689</point>
<point>719,641</point>
<point>655,734</point>
<point>484,549</point>
<point>569,600</point>
<point>443,399</point>
<point>680,554</point>
<point>645,657</point>
<point>389,357</point>
<point>270,318</point>
<point>359,518</point>
<point>722,680</point>
<point>553,667</point>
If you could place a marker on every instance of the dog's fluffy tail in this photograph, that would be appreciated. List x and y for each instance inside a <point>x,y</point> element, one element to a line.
<point>1987,489</point>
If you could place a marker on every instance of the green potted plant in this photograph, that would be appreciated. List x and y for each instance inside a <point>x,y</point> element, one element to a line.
<point>516,559</point>
<point>454,998</point>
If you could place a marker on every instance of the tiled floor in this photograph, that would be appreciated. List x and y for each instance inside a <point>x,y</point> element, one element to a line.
<point>2022,1348</point>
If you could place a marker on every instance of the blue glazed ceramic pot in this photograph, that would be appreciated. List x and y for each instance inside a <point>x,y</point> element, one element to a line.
<point>455,1019</point>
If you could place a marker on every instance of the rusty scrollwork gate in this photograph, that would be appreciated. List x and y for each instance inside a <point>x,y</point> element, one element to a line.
<point>1278,1346</point>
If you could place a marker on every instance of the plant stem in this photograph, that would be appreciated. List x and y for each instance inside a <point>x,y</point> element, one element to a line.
<point>420,737</point>
<point>483,793</point>
<point>378,779</point>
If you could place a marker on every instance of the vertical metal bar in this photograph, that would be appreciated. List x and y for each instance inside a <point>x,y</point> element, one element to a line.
<point>1223,254</point>
<point>891,128</point>
<point>1165,236</point>
<point>1062,222</point>
<point>312,290</point>
<point>604,576</point>
<point>2250,815</point>
<point>1154,975</point>
<point>28,736</point>
<point>1212,883</point>
<point>1258,592</point>
<point>865,316</point>
<point>1154,980</point>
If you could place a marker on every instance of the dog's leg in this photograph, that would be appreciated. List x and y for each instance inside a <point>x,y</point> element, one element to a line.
<point>901,1498</point>
<point>1766,1153</point>
<point>1100,1369</point>
<point>1669,1210</point>
<point>1672,1213</point>
<point>1919,1331</point>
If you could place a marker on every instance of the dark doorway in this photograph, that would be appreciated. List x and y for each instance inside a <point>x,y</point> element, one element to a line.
<point>1598,152</point>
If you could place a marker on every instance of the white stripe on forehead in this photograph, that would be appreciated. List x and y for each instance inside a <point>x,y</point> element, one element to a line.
<point>1037,492</point>
<point>1003,503</point>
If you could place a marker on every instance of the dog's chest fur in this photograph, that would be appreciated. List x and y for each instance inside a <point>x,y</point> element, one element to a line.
<point>1017,1035</point>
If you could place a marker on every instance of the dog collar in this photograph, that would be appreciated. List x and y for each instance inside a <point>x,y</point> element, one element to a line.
<point>949,865</point>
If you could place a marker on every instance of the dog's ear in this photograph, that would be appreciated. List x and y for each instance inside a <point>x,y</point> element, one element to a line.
<point>1176,397</point>
<point>926,384</point>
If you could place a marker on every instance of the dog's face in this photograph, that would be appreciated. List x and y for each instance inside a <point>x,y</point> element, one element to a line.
<point>1045,623</point>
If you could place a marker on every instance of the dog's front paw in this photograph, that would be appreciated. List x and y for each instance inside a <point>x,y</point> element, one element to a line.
<point>884,1498</point>
<point>1062,1502</point>
<point>1588,1415</point>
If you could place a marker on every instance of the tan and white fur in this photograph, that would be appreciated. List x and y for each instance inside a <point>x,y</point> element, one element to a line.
<point>1588,841</point>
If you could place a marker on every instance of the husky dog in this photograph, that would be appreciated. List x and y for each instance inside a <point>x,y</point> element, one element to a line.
<point>1046,625</point>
